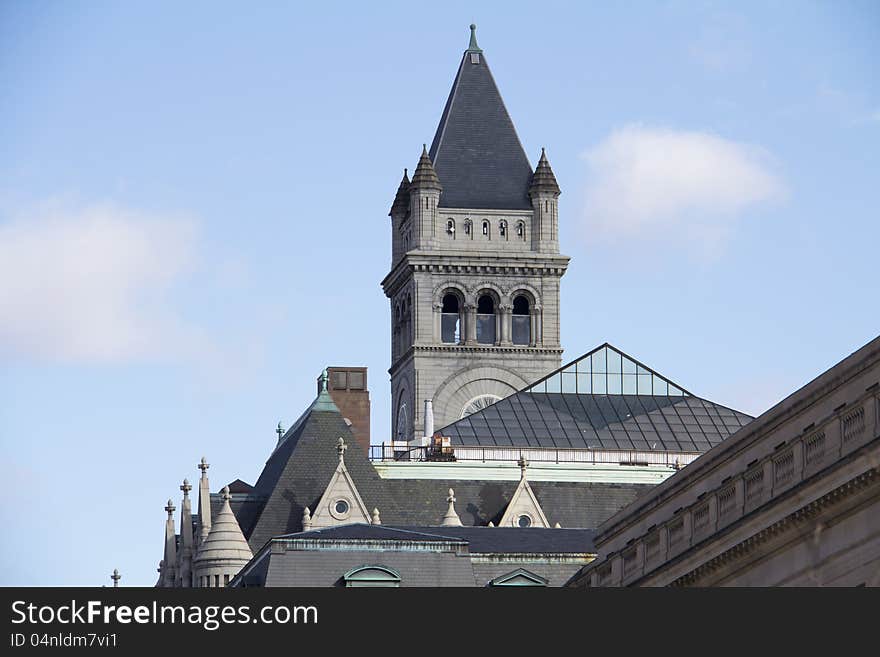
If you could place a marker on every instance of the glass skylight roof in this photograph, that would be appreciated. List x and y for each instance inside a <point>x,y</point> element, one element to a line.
<point>607,371</point>
<point>603,400</point>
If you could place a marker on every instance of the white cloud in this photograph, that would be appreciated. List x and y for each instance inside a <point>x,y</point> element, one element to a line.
<point>90,284</point>
<point>649,183</point>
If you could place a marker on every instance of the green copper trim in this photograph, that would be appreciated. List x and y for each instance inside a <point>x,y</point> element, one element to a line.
<point>473,47</point>
<point>324,402</point>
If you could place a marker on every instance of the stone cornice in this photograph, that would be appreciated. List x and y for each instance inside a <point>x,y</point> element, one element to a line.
<point>743,439</point>
<point>788,524</point>
<point>471,349</point>
<point>467,262</point>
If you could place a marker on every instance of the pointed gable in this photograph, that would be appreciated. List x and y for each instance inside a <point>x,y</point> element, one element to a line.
<point>476,152</point>
<point>341,504</point>
<point>524,510</point>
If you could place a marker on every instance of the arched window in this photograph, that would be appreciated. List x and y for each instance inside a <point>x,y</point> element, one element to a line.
<point>521,320</point>
<point>372,576</point>
<point>469,228</point>
<point>450,227</point>
<point>450,319</point>
<point>502,229</point>
<point>486,228</point>
<point>486,319</point>
<point>521,229</point>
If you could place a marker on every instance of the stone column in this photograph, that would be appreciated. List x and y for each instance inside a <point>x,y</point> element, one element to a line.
<point>505,315</point>
<point>539,324</point>
<point>438,331</point>
<point>470,323</point>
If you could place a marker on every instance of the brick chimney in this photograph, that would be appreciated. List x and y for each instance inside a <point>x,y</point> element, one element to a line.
<point>348,390</point>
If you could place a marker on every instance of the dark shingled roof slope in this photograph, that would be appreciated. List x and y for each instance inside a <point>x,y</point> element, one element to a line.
<point>476,152</point>
<point>422,502</point>
<point>299,470</point>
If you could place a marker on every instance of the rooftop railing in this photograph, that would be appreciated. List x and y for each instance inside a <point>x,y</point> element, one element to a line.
<point>460,453</point>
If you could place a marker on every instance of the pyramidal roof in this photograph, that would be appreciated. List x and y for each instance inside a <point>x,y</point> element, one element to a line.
<point>298,471</point>
<point>476,152</point>
<point>604,400</point>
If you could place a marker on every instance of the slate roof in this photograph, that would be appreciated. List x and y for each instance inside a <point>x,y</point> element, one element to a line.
<point>476,152</point>
<point>480,540</point>
<point>602,400</point>
<point>299,470</point>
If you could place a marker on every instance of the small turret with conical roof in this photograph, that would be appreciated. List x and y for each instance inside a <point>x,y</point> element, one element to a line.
<point>544,192</point>
<point>425,177</point>
<point>401,229</point>
<point>401,200</point>
<point>224,552</point>
<point>543,180</point>
<point>424,197</point>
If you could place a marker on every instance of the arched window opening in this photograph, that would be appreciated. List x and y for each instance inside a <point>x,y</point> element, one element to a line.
<point>522,326</point>
<point>520,229</point>
<point>486,320</point>
<point>502,229</point>
<point>468,228</point>
<point>486,228</point>
<point>450,227</point>
<point>450,320</point>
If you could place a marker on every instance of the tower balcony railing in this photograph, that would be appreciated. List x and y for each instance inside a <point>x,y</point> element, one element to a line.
<point>467,453</point>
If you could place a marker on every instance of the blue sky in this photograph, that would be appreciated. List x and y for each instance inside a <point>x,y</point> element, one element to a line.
<point>193,220</point>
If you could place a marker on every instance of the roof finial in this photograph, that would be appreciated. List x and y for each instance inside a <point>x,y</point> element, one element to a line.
<point>472,46</point>
<point>279,430</point>
<point>170,508</point>
<point>307,519</point>
<point>523,464</point>
<point>451,518</point>
<point>340,448</point>
<point>324,378</point>
<point>203,466</point>
<point>186,488</point>
<point>376,520</point>
<point>225,494</point>
<point>115,577</point>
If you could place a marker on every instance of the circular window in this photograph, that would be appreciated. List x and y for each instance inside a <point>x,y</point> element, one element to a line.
<point>524,521</point>
<point>340,509</point>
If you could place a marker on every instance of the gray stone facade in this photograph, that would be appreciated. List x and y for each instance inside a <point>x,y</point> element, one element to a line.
<point>791,499</point>
<point>502,253</point>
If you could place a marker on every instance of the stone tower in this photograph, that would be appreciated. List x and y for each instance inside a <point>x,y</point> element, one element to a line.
<point>475,269</point>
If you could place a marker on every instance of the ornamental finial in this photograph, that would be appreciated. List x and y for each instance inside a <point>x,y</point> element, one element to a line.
<point>340,448</point>
<point>472,46</point>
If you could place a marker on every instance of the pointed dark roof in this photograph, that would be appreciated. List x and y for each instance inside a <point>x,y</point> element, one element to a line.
<point>401,199</point>
<point>603,400</point>
<point>476,151</point>
<point>544,180</point>
<point>425,177</point>
<point>299,470</point>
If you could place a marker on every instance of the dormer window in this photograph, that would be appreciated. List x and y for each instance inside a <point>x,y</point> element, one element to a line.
<point>502,229</point>
<point>450,227</point>
<point>520,229</point>
<point>486,228</point>
<point>468,227</point>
